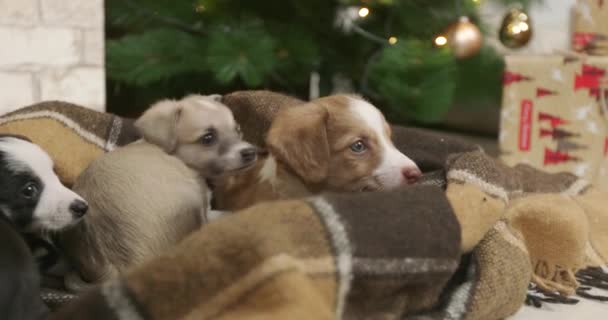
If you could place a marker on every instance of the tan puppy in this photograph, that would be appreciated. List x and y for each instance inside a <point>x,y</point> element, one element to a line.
<point>339,143</point>
<point>147,196</point>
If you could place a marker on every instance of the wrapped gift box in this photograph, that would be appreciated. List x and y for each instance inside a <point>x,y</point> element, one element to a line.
<point>553,115</point>
<point>590,27</point>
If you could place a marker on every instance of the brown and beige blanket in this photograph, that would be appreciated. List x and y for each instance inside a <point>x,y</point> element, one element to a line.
<point>72,135</point>
<point>465,243</point>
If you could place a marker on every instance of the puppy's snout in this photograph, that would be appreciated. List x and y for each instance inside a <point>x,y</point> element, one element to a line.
<point>249,155</point>
<point>411,175</point>
<point>79,208</point>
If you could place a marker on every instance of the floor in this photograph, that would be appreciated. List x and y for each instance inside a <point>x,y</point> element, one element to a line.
<point>584,310</point>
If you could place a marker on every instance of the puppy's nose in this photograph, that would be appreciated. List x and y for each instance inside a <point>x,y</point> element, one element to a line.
<point>249,154</point>
<point>411,175</point>
<point>79,208</point>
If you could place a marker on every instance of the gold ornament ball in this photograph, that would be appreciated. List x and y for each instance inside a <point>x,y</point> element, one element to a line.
<point>516,29</point>
<point>463,37</point>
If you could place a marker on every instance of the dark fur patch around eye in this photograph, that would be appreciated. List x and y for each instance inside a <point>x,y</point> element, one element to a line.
<point>20,210</point>
<point>210,132</point>
<point>210,129</point>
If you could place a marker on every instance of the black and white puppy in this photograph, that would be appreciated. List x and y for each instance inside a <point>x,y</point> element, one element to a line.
<point>31,195</point>
<point>33,200</point>
<point>19,278</point>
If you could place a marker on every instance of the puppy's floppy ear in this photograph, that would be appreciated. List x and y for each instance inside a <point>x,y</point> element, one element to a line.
<point>158,124</point>
<point>298,137</point>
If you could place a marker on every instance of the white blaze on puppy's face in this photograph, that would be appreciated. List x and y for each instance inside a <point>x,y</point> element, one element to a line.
<point>395,168</point>
<point>54,207</point>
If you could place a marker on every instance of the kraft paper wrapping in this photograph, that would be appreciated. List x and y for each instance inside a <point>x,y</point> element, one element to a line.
<point>553,115</point>
<point>590,27</point>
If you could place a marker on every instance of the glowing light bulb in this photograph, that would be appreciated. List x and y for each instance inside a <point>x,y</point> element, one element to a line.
<point>392,40</point>
<point>441,41</point>
<point>516,29</point>
<point>363,12</point>
<point>523,26</point>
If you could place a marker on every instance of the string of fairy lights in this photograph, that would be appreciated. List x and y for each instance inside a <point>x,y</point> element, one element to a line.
<point>348,18</point>
<point>463,36</point>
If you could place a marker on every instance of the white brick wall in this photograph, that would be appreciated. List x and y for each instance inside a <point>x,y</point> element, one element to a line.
<point>51,50</point>
<point>16,88</point>
<point>34,48</point>
<point>21,12</point>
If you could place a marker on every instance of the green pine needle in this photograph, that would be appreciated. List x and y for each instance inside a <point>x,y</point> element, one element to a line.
<point>159,48</point>
<point>248,54</point>
<point>142,59</point>
<point>415,79</point>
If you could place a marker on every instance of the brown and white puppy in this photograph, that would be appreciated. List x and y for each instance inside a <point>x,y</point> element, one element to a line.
<point>146,196</point>
<point>339,143</point>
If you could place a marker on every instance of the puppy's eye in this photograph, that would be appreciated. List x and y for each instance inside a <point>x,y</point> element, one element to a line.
<point>30,190</point>
<point>358,147</point>
<point>208,138</point>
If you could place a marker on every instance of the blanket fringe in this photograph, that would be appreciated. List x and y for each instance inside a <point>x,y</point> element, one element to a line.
<point>540,292</point>
<point>536,296</point>
<point>594,277</point>
<point>553,278</point>
<point>589,278</point>
<point>582,292</point>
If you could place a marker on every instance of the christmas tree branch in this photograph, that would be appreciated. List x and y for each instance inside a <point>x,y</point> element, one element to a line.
<point>368,35</point>
<point>364,86</point>
<point>169,21</point>
<point>280,79</point>
<point>388,24</point>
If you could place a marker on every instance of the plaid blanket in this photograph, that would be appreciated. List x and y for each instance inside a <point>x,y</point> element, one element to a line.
<point>464,243</point>
<point>523,229</point>
<point>327,257</point>
<point>72,135</point>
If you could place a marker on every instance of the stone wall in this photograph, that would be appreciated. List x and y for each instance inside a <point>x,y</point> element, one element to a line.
<point>51,50</point>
